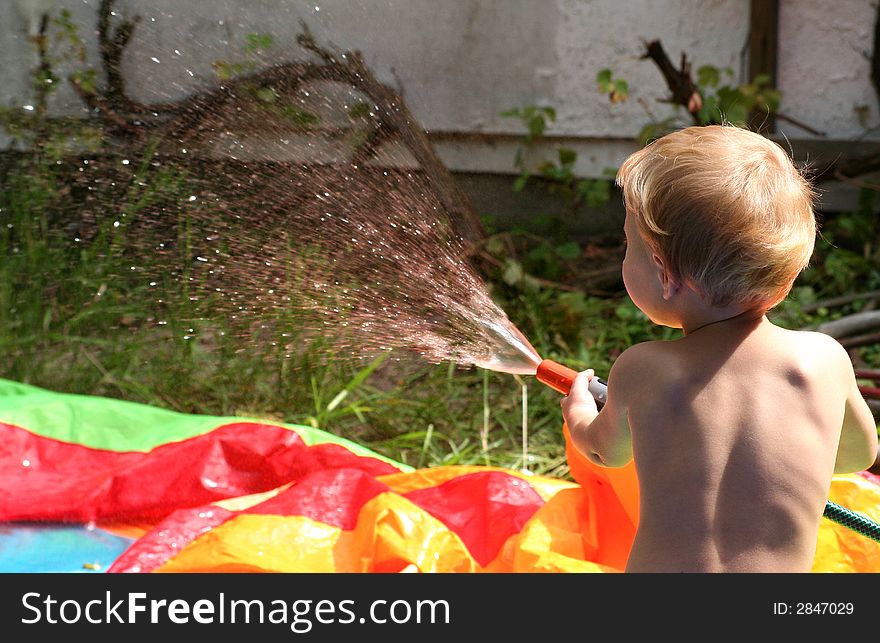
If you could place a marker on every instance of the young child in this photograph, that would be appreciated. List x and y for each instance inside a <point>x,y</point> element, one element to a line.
<point>736,428</point>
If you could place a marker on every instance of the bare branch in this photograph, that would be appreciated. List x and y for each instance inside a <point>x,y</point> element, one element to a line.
<point>684,90</point>
<point>197,115</point>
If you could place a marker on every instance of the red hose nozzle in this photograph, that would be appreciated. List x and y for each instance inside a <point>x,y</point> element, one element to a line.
<point>556,376</point>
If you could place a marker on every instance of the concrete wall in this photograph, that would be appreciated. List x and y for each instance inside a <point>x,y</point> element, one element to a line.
<point>461,62</point>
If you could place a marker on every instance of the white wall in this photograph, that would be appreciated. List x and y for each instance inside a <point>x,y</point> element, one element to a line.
<point>461,62</point>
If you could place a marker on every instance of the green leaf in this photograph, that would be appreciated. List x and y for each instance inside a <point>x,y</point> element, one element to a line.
<point>769,98</point>
<point>737,114</point>
<point>625,312</point>
<point>520,182</point>
<point>599,193</point>
<point>513,272</point>
<point>257,41</point>
<point>495,246</point>
<point>511,113</point>
<point>540,253</point>
<point>709,113</point>
<point>567,156</point>
<point>557,174</point>
<point>550,113</point>
<point>267,94</point>
<point>299,116</point>
<point>365,372</point>
<point>647,134</point>
<point>655,130</point>
<point>536,126</point>
<point>708,76</point>
<point>570,250</point>
<point>222,69</point>
<point>86,79</point>
<point>360,110</point>
<point>603,79</point>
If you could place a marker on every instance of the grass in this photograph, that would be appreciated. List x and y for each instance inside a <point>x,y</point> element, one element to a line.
<point>76,316</point>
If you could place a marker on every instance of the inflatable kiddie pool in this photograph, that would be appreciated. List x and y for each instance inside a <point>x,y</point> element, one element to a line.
<point>93,484</point>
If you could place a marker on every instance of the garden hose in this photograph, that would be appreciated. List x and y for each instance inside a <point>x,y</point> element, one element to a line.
<point>560,378</point>
<point>850,519</point>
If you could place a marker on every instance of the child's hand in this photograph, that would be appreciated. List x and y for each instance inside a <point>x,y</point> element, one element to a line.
<point>578,407</point>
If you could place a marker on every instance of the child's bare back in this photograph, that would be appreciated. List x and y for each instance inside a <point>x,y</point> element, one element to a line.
<point>737,428</point>
<point>735,434</point>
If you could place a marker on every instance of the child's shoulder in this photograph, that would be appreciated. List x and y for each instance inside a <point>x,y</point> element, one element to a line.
<point>814,347</point>
<point>808,342</point>
<point>642,358</point>
<point>671,356</point>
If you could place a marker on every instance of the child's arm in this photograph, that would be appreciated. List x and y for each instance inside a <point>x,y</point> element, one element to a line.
<point>603,437</point>
<point>857,449</point>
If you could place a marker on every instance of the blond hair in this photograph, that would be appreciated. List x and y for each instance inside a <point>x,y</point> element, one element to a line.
<point>724,208</point>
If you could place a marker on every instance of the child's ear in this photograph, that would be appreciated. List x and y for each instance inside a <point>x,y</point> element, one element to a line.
<point>669,281</point>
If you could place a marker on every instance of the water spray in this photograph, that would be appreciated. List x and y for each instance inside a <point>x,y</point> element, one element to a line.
<point>517,356</point>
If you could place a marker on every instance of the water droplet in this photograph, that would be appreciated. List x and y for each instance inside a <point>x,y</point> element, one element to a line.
<point>116,224</point>
<point>125,161</point>
<point>29,108</point>
<point>25,463</point>
<point>154,59</point>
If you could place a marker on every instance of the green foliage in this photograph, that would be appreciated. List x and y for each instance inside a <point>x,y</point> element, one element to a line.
<point>225,70</point>
<point>617,89</point>
<point>722,101</point>
<point>257,42</point>
<point>535,119</point>
<point>733,104</point>
<point>359,110</point>
<point>299,116</point>
<point>27,124</point>
<point>846,261</point>
<point>256,45</point>
<point>269,98</point>
<point>557,176</point>
<point>848,251</point>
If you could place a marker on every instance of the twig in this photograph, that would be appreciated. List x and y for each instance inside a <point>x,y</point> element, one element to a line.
<point>849,168</point>
<point>797,123</point>
<point>850,324</point>
<point>108,113</point>
<point>840,301</point>
<point>112,45</point>
<point>307,42</point>
<point>684,90</point>
<point>840,176</point>
<point>859,340</point>
<point>45,70</point>
<point>187,119</point>
<point>538,280</point>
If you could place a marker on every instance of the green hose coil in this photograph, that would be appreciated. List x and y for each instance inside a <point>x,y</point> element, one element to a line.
<point>852,520</point>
